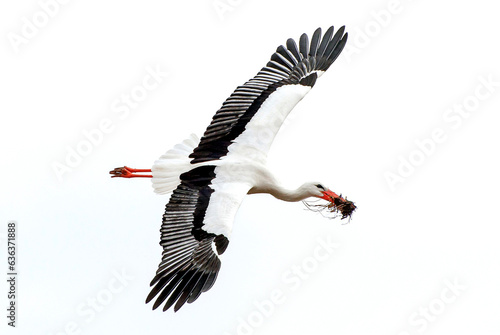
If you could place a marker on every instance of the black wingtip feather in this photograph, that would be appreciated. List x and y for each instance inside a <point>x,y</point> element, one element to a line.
<point>314,42</point>
<point>188,290</point>
<point>158,287</point>
<point>304,45</point>
<point>181,286</point>
<point>292,47</point>
<point>287,55</point>
<point>324,42</point>
<point>169,288</point>
<point>336,52</point>
<point>196,292</point>
<point>334,42</point>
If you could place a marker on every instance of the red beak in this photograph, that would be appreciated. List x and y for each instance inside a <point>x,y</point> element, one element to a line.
<point>329,196</point>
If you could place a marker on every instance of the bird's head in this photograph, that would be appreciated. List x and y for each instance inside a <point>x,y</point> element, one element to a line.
<point>336,204</point>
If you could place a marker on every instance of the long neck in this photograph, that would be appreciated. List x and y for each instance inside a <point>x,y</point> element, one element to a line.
<point>267,183</point>
<point>282,193</point>
<point>289,195</point>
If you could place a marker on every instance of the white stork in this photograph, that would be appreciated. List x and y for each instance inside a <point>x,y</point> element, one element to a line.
<point>210,177</point>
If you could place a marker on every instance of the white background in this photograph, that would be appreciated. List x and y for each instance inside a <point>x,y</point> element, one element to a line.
<point>399,75</point>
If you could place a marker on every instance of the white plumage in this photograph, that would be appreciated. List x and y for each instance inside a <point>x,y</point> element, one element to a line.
<point>259,134</point>
<point>167,169</point>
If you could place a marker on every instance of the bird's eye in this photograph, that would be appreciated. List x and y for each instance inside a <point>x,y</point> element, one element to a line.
<point>320,187</point>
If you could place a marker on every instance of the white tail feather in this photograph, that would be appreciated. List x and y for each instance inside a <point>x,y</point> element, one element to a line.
<point>167,169</point>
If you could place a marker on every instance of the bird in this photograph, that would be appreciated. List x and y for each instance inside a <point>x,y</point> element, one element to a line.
<point>209,177</point>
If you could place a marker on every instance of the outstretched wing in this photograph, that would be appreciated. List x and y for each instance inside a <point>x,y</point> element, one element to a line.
<point>249,119</point>
<point>195,231</point>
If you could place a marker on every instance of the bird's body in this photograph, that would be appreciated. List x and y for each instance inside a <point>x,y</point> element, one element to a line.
<point>210,177</point>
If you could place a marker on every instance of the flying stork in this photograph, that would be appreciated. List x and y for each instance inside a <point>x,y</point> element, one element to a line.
<point>210,177</point>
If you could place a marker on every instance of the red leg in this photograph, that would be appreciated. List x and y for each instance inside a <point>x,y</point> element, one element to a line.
<point>126,172</point>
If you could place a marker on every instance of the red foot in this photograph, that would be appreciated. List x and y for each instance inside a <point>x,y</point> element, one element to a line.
<point>126,172</point>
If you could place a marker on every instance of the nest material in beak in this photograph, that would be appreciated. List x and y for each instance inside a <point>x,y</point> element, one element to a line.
<point>337,206</point>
